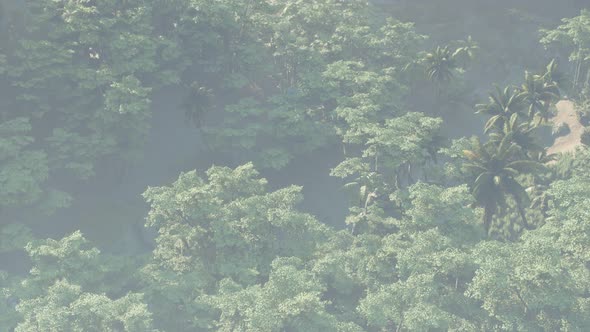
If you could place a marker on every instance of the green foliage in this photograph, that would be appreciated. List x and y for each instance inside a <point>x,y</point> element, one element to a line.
<point>444,67</point>
<point>440,64</point>
<point>519,132</point>
<point>227,226</point>
<point>538,93</point>
<point>8,301</point>
<point>267,82</point>
<point>71,287</point>
<point>429,261</point>
<point>232,215</point>
<point>65,307</point>
<point>390,149</point>
<point>79,78</point>
<point>512,149</point>
<point>494,170</point>
<point>74,259</point>
<point>297,74</point>
<point>291,300</point>
<point>411,304</point>
<point>501,106</point>
<point>524,286</point>
<point>573,36</point>
<point>24,170</point>
<point>535,286</point>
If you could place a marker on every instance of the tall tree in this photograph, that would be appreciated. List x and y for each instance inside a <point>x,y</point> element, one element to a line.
<point>444,63</point>
<point>539,94</point>
<point>494,172</point>
<point>24,170</point>
<point>65,307</point>
<point>520,133</point>
<point>224,226</point>
<point>500,107</point>
<point>440,64</point>
<point>573,37</point>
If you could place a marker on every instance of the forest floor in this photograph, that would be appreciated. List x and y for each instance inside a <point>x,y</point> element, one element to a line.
<point>566,113</point>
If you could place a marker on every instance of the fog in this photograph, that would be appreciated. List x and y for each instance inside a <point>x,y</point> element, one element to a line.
<point>150,58</point>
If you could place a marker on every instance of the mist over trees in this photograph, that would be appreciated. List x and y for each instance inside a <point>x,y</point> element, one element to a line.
<point>294,165</point>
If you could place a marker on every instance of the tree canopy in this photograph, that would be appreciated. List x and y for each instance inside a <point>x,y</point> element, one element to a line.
<point>163,166</point>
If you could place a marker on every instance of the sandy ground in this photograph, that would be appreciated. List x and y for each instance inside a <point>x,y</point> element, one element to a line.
<point>566,113</point>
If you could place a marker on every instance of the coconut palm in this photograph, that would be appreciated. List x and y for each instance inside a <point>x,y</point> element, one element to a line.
<point>500,107</point>
<point>495,169</point>
<point>538,95</point>
<point>519,133</point>
<point>542,157</point>
<point>440,64</point>
<point>466,51</point>
<point>553,76</point>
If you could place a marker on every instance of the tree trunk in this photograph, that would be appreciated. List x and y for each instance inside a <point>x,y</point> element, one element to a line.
<point>399,327</point>
<point>577,72</point>
<point>438,98</point>
<point>523,217</point>
<point>409,170</point>
<point>376,167</point>
<point>587,77</point>
<point>526,307</point>
<point>397,180</point>
<point>488,215</point>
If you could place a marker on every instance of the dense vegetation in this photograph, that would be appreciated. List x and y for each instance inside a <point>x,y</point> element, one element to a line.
<point>431,135</point>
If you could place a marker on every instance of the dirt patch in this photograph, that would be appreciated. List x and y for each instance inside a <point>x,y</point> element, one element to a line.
<point>566,113</point>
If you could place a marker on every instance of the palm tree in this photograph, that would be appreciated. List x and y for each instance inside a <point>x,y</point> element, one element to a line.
<point>538,95</point>
<point>500,107</point>
<point>553,76</point>
<point>440,64</point>
<point>466,52</point>
<point>495,170</point>
<point>542,157</point>
<point>521,134</point>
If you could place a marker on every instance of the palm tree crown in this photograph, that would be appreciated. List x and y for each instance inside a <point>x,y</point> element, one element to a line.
<point>495,168</point>
<point>519,133</point>
<point>501,105</point>
<point>538,95</point>
<point>440,64</point>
